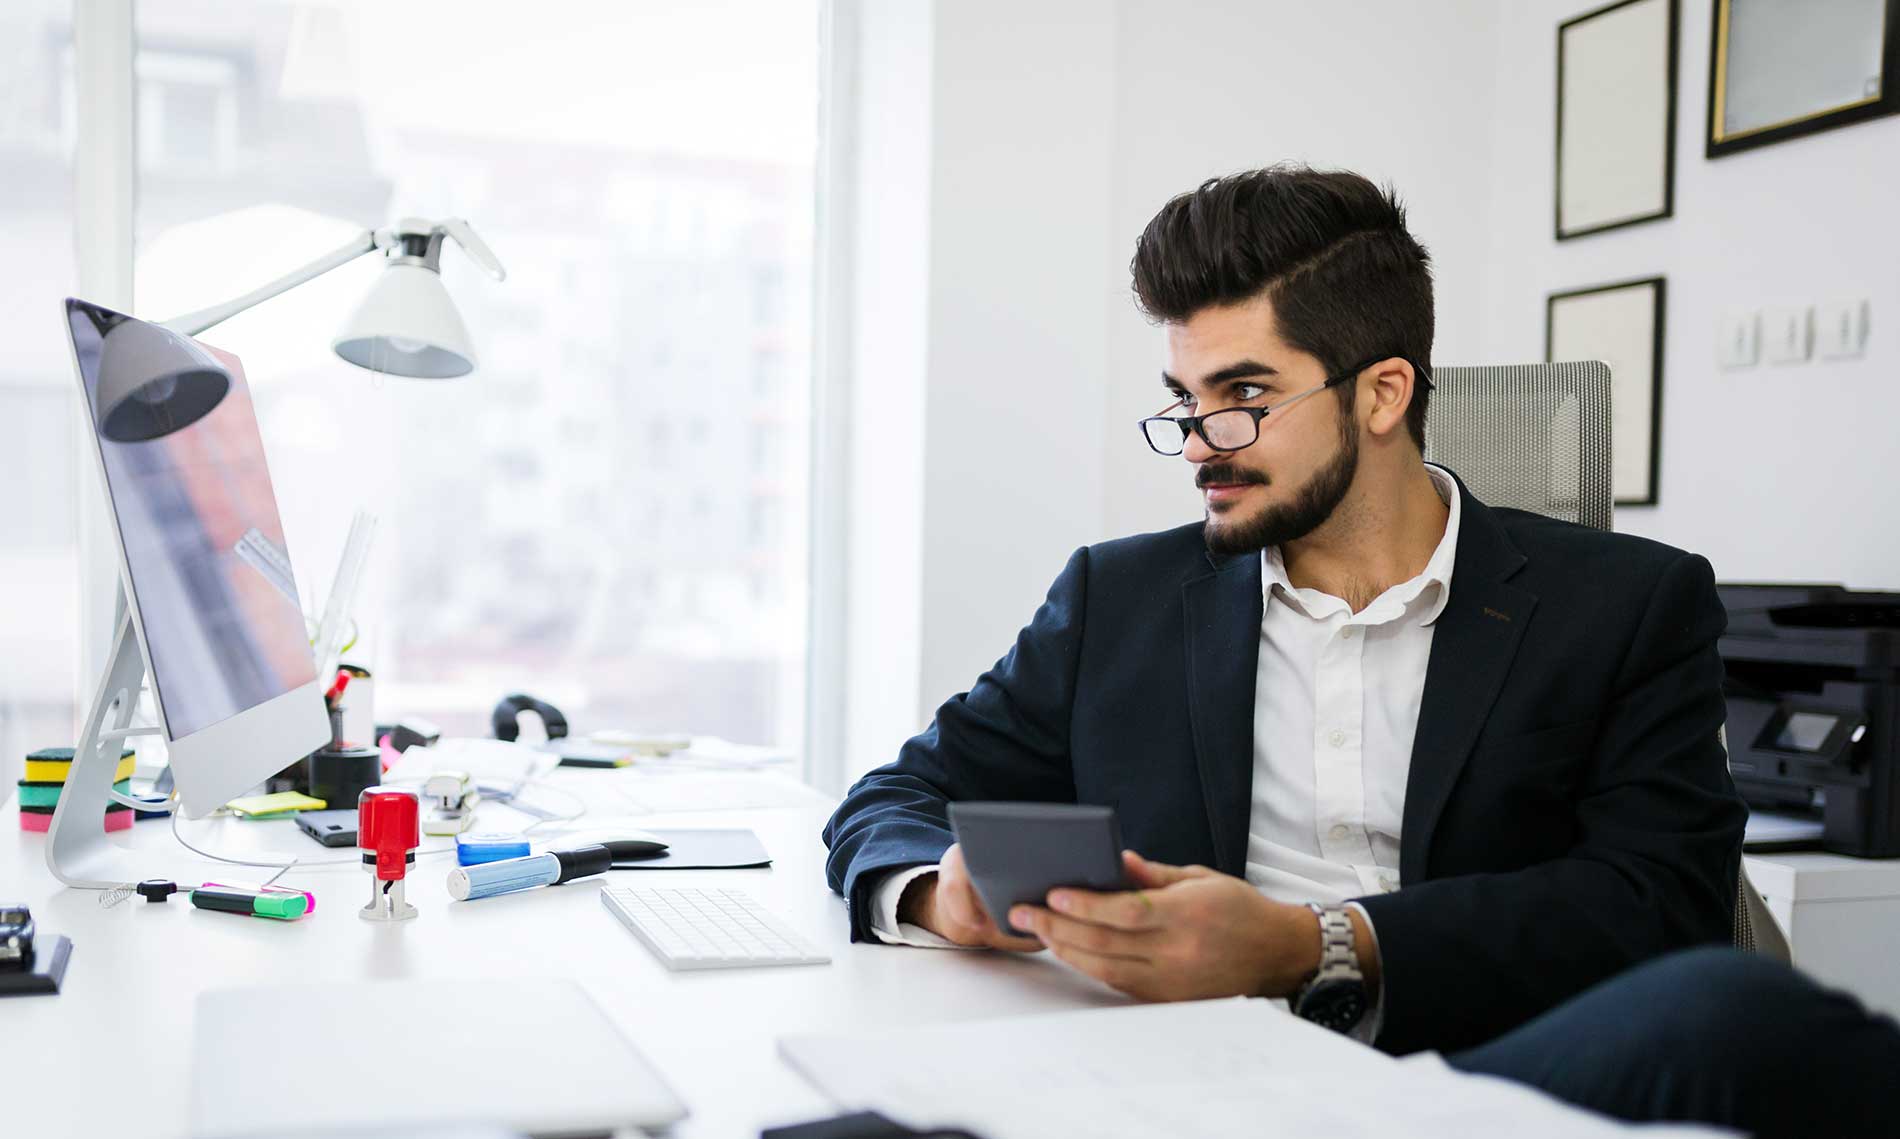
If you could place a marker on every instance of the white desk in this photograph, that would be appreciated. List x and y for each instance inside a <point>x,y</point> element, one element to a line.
<point>126,1005</point>
<point>117,1039</point>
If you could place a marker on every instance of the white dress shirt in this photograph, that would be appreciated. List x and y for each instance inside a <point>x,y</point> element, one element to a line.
<point>1336,701</point>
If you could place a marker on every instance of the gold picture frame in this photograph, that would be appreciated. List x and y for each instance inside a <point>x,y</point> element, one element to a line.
<point>1784,69</point>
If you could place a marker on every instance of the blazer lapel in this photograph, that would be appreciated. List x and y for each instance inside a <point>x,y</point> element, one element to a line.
<point>1222,611</point>
<point>1476,637</point>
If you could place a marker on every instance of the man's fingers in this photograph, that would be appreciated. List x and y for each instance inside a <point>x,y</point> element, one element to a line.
<point>1123,973</point>
<point>966,922</point>
<point>997,935</point>
<point>998,939</point>
<point>958,902</point>
<point>1130,910</point>
<point>1154,875</point>
<point>1055,929</point>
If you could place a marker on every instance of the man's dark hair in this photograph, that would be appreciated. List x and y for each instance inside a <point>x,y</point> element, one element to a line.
<point>1348,283</point>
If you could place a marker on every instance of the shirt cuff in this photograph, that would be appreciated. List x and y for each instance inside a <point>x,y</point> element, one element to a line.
<point>1367,1030</point>
<point>884,923</point>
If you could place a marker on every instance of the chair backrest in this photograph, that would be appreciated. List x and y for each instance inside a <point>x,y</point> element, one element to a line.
<point>1756,929</point>
<point>1531,436</point>
<point>1537,437</point>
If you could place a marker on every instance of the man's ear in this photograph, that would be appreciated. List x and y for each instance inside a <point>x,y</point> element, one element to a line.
<point>1391,383</point>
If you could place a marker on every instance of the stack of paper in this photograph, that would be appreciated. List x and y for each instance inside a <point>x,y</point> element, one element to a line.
<point>1212,1068</point>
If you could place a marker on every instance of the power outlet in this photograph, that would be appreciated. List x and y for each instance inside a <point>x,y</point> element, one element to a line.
<point>1738,340</point>
<point>1786,335</point>
<point>1840,330</point>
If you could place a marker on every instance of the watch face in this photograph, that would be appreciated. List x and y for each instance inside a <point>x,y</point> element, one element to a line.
<point>1338,1005</point>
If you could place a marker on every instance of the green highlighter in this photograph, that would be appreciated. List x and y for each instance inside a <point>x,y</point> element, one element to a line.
<point>284,906</point>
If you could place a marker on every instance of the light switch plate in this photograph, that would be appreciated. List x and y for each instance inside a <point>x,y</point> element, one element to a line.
<point>1738,340</point>
<point>1840,330</point>
<point>1786,334</point>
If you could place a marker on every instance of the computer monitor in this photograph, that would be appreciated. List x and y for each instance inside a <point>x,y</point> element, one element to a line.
<point>210,610</point>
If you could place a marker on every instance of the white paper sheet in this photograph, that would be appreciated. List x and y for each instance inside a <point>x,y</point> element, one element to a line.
<point>1213,1068</point>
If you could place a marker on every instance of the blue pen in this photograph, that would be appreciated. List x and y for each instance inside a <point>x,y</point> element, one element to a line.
<point>486,879</point>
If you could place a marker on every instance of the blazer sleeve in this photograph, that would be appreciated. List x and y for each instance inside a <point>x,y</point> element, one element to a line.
<point>1007,738</point>
<point>1653,867</point>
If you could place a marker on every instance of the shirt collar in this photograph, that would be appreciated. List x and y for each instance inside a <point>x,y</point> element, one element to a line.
<point>1436,575</point>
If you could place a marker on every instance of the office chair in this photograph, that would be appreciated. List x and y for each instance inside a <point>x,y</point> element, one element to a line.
<point>1536,437</point>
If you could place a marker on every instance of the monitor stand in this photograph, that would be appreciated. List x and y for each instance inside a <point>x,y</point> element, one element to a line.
<point>77,849</point>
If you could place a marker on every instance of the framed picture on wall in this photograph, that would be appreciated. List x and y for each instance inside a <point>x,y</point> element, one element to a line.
<point>1616,117</point>
<point>1620,324</point>
<point>1780,69</point>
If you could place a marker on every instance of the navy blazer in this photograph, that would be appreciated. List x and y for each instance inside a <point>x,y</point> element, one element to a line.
<point>1568,811</point>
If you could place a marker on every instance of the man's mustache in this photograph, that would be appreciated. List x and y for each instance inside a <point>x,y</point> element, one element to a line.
<point>1228,476</point>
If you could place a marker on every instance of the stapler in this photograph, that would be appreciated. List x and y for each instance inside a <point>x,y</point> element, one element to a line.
<point>450,797</point>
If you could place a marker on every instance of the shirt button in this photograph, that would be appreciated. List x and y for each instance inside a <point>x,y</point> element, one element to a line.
<point>1345,634</point>
<point>1340,832</point>
<point>1337,738</point>
<point>1386,884</point>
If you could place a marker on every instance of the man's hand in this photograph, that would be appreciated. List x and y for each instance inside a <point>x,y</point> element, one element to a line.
<point>946,904</point>
<point>1184,933</point>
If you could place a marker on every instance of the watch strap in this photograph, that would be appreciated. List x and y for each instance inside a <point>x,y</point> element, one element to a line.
<point>1338,969</point>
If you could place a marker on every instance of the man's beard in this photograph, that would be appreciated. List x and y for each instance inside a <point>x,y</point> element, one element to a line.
<point>1288,522</point>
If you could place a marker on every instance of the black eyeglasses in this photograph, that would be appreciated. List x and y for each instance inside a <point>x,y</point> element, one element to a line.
<point>1236,428</point>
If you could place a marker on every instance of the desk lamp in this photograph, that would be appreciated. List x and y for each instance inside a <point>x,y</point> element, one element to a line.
<point>154,379</point>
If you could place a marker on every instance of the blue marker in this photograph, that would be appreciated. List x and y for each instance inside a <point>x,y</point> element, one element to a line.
<point>492,846</point>
<point>486,879</point>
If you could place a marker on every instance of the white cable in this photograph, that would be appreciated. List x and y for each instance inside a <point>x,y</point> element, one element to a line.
<point>281,866</point>
<point>581,805</point>
<point>153,803</point>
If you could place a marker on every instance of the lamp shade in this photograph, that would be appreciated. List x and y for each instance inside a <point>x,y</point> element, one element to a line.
<point>153,381</point>
<point>408,326</point>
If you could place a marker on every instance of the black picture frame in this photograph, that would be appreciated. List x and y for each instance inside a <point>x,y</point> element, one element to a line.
<point>1718,144</point>
<point>1654,392</point>
<point>1670,53</point>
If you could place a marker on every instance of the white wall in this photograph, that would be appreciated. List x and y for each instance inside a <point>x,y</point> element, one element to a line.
<point>1398,91</point>
<point>979,211</point>
<point>1782,472</point>
<point>1018,331</point>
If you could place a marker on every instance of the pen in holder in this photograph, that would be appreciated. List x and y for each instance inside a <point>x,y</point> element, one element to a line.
<point>340,772</point>
<point>332,630</point>
<point>358,706</point>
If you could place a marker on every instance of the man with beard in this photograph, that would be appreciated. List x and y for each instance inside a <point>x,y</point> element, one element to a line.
<point>1368,735</point>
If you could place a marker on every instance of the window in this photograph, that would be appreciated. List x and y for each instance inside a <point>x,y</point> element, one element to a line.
<point>38,431</point>
<point>574,519</point>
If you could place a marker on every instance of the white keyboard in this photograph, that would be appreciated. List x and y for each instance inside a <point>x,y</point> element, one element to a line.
<point>708,929</point>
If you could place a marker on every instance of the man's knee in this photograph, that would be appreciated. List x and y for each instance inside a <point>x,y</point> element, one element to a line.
<point>1714,1007</point>
<point>1716,983</point>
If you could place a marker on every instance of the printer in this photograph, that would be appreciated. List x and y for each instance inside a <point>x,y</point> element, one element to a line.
<point>1813,690</point>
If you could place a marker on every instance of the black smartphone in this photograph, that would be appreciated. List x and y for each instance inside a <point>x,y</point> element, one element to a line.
<point>331,828</point>
<point>1018,852</point>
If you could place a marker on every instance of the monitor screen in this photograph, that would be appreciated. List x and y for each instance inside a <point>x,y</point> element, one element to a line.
<point>204,548</point>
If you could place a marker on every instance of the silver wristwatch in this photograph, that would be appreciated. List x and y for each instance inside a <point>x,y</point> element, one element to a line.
<point>1335,995</point>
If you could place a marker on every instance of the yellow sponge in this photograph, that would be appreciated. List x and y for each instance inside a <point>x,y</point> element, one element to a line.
<point>52,764</point>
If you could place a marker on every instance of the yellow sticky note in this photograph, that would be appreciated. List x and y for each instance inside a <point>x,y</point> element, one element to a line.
<point>283,802</point>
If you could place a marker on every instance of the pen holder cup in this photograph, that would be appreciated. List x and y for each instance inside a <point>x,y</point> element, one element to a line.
<point>339,774</point>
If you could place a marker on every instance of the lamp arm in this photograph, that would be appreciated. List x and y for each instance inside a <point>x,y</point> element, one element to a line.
<point>192,323</point>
